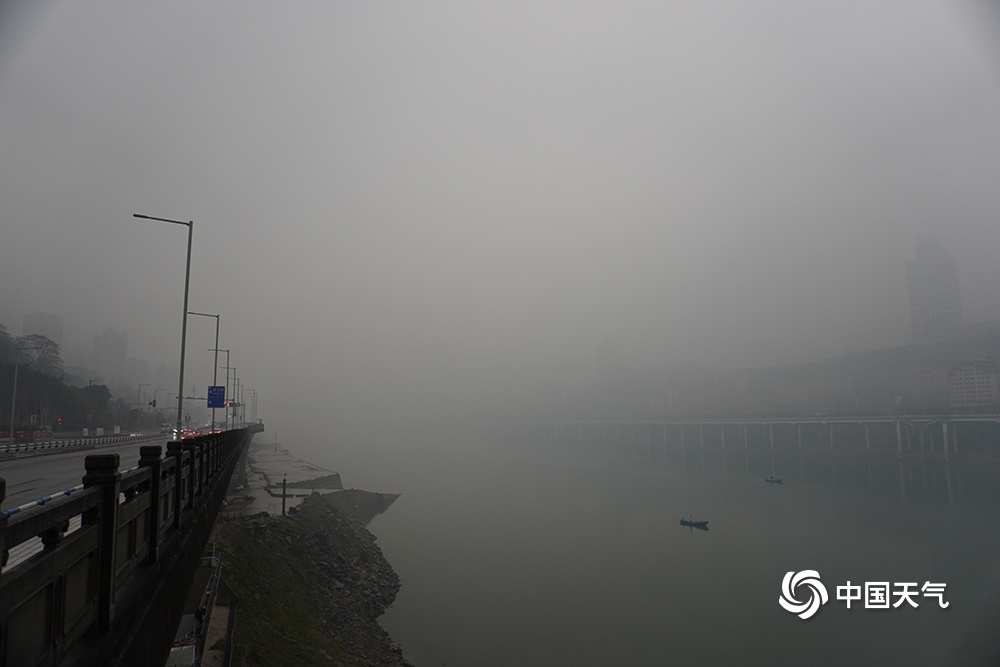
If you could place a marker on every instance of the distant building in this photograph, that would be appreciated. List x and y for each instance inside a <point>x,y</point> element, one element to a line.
<point>810,391</point>
<point>910,381</point>
<point>976,330</point>
<point>935,303</point>
<point>136,371</point>
<point>974,383</point>
<point>44,324</point>
<point>111,356</point>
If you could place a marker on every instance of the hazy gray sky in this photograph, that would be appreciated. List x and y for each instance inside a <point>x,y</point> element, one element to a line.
<point>730,183</point>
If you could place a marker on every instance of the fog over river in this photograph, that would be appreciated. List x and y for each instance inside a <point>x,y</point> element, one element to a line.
<point>519,557</point>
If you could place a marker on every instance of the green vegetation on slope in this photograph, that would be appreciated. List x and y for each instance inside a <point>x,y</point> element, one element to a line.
<point>309,588</point>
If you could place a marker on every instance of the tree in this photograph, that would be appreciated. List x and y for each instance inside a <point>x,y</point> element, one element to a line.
<point>7,346</point>
<point>44,358</point>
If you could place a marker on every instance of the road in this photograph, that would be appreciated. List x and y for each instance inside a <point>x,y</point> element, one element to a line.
<point>35,477</point>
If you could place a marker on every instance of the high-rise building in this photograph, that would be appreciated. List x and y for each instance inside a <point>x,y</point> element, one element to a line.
<point>110,355</point>
<point>974,383</point>
<point>935,303</point>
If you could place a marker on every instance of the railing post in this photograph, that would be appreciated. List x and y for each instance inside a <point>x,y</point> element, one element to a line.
<point>3,526</point>
<point>102,471</point>
<point>210,457</point>
<point>202,446</point>
<point>192,449</point>
<point>151,456</point>
<point>174,450</point>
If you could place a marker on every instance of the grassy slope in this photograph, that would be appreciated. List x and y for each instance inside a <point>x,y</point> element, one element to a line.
<point>277,618</point>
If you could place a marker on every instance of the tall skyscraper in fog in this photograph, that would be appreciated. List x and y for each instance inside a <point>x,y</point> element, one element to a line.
<point>935,303</point>
<point>110,355</point>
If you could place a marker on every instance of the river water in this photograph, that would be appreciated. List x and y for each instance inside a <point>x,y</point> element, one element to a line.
<point>516,557</point>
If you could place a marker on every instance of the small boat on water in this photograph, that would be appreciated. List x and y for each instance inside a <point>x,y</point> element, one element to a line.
<point>692,522</point>
<point>773,480</point>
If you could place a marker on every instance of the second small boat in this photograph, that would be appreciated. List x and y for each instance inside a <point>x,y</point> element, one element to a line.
<point>692,522</point>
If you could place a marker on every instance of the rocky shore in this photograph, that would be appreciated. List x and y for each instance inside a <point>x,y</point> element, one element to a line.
<point>309,588</point>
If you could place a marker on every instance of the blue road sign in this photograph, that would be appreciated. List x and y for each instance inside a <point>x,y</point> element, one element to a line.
<point>216,397</point>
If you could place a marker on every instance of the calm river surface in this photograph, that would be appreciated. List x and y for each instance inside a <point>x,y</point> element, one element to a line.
<point>514,558</point>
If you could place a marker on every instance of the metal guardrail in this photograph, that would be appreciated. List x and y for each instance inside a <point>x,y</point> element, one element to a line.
<point>606,432</point>
<point>7,447</point>
<point>112,560</point>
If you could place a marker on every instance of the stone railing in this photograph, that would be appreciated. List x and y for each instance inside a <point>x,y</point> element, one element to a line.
<point>112,589</point>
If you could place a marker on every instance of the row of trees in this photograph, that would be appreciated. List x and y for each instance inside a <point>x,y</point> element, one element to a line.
<point>43,398</point>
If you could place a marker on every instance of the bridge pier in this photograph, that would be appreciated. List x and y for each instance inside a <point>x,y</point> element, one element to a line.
<point>770,428</point>
<point>899,440</point>
<point>831,436</point>
<point>944,437</point>
<point>868,442</point>
<point>799,428</point>
<point>745,446</point>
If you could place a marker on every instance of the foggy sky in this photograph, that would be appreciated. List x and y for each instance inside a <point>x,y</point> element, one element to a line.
<point>398,190</point>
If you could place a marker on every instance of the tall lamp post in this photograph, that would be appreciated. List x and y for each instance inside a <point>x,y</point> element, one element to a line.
<point>253,406</point>
<point>236,394</point>
<point>215,366</point>
<point>187,281</point>
<point>13,399</point>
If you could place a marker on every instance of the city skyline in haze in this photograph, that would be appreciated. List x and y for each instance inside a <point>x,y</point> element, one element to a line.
<point>405,197</point>
<point>929,273</point>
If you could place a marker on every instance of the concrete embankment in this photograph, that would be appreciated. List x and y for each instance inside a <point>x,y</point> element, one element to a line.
<point>310,586</point>
<point>362,506</point>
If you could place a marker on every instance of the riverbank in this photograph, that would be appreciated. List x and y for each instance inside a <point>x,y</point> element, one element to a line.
<point>309,587</point>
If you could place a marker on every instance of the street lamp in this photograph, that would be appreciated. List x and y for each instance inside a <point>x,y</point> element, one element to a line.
<point>187,281</point>
<point>253,406</point>
<point>236,395</point>
<point>215,366</point>
<point>13,399</point>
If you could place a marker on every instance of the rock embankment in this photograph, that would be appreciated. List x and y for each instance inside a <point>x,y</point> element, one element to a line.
<point>309,589</point>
